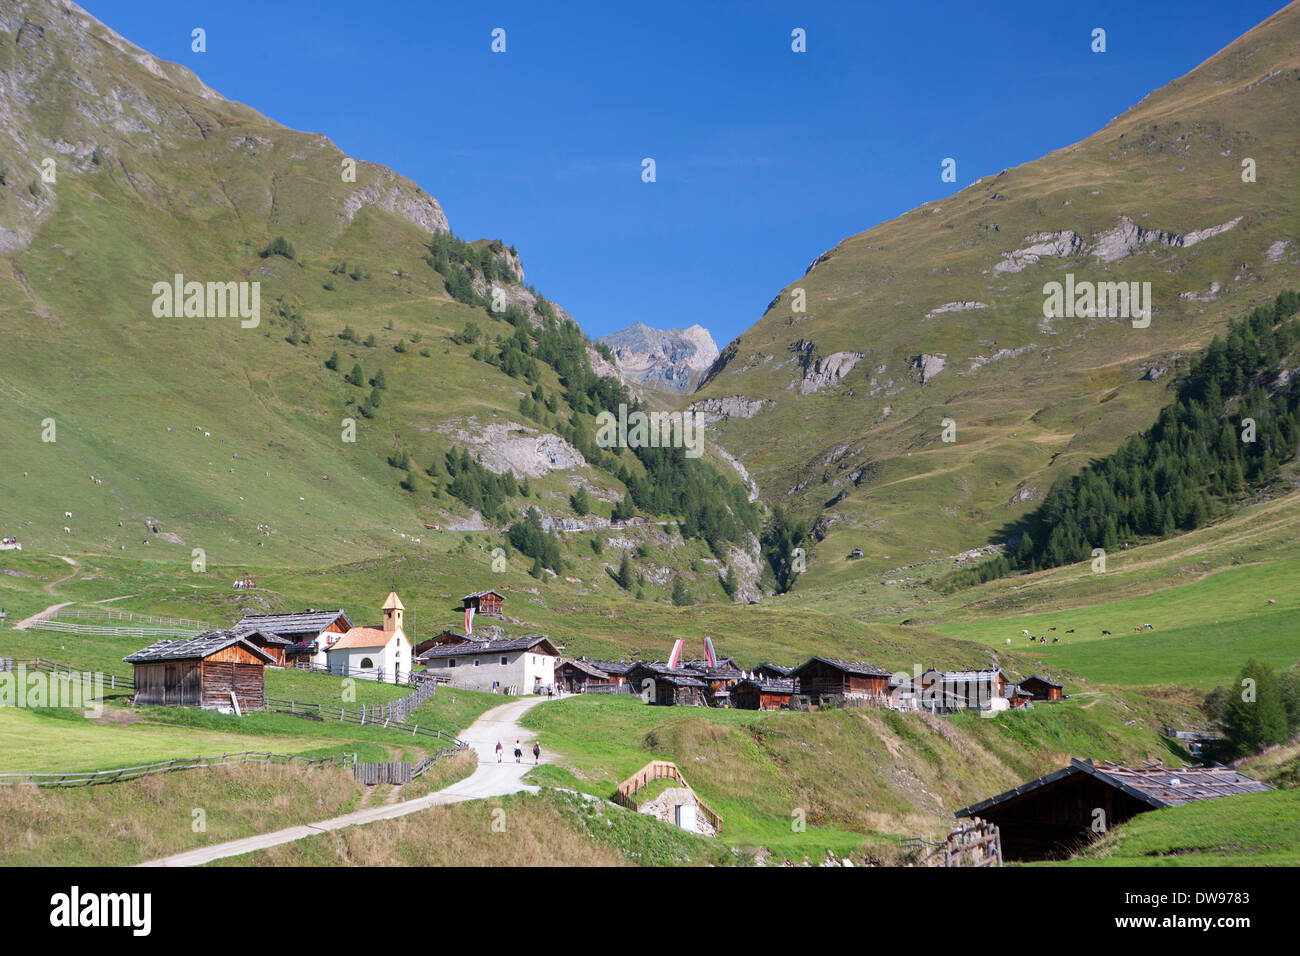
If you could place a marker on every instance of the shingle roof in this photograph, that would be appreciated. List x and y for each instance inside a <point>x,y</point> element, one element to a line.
<point>1046,680</point>
<point>481,593</point>
<point>266,636</point>
<point>850,667</point>
<point>584,666</point>
<point>1156,786</point>
<point>393,602</point>
<point>302,622</point>
<point>611,667</point>
<point>774,685</point>
<point>775,668</point>
<point>490,647</point>
<point>204,645</point>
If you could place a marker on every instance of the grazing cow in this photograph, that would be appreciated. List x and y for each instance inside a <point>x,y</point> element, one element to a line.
<point>1056,640</point>
<point>1138,629</point>
<point>67,531</point>
<point>1105,633</point>
<point>1271,601</point>
<point>1043,639</point>
<point>1051,628</point>
<point>1070,631</point>
<point>1008,642</point>
<point>1147,627</point>
<point>67,514</point>
<point>1024,633</point>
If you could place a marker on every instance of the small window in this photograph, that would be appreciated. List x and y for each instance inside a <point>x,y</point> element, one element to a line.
<point>367,663</point>
<point>452,662</point>
<point>477,662</point>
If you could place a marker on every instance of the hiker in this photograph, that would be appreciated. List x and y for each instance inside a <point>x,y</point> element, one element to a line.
<point>518,752</point>
<point>550,691</point>
<point>537,752</point>
<point>500,750</point>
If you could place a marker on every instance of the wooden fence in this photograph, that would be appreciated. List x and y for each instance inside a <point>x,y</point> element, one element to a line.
<point>89,778</point>
<point>105,614</point>
<point>110,630</point>
<point>112,681</point>
<point>361,715</point>
<point>624,795</point>
<point>978,844</point>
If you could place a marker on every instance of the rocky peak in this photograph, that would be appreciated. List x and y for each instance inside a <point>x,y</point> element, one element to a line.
<point>671,360</point>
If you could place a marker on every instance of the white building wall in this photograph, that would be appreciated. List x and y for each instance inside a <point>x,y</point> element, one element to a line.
<point>395,657</point>
<point>525,671</point>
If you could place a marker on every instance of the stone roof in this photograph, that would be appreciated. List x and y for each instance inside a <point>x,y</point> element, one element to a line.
<point>301,622</point>
<point>1155,785</point>
<point>491,647</point>
<point>195,648</point>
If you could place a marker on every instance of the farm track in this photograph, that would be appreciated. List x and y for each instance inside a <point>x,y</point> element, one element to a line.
<point>489,780</point>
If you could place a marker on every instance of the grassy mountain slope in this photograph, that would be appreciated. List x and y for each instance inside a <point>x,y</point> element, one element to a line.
<point>180,433</point>
<point>1030,397</point>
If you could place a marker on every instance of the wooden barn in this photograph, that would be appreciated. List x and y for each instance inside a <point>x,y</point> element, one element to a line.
<point>310,633</point>
<point>1042,688</point>
<point>1017,696</point>
<point>438,640</point>
<point>275,645</point>
<point>769,671</point>
<point>821,676</point>
<point>760,693</point>
<point>575,675</point>
<point>669,685</point>
<point>718,679</point>
<point>975,690</point>
<point>1055,816</point>
<point>617,670</point>
<point>484,602</point>
<point>211,671</point>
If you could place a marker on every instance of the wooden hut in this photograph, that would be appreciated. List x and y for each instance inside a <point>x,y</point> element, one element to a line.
<point>668,686</point>
<point>759,693</point>
<point>310,633</point>
<point>484,602</point>
<point>213,671</point>
<point>438,640</point>
<point>826,676</point>
<point>1018,696</point>
<point>575,675</point>
<point>617,670</point>
<point>273,644</point>
<point>1042,688</point>
<point>769,671</point>
<point>1056,815</point>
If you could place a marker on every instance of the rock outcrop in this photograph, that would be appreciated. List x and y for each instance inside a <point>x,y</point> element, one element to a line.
<point>929,365</point>
<point>827,372</point>
<point>509,446</point>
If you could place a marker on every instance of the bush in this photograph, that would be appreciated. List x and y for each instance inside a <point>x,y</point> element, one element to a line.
<point>279,246</point>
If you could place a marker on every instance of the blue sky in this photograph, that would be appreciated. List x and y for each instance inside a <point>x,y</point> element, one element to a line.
<point>765,157</point>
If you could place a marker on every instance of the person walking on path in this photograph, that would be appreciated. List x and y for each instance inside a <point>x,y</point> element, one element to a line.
<point>537,751</point>
<point>518,752</point>
<point>500,751</point>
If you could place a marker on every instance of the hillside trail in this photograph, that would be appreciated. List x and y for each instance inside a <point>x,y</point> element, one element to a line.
<point>49,587</point>
<point>489,780</point>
